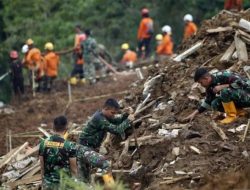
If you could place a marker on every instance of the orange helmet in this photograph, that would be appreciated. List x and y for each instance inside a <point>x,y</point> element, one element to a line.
<point>13,54</point>
<point>144,11</point>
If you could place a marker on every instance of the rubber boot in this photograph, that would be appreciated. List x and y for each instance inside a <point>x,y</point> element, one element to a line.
<point>108,179</point>
<point>241,112</point>
<point>231,112</point>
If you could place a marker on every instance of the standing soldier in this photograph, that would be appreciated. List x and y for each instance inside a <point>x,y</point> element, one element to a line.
<point>89,47</point>
<point>145,32</point>
<point>16,73</point>
<point>57,155</point>
<point>190,26</point>
<point>225,92</point>
<point>52,62</point>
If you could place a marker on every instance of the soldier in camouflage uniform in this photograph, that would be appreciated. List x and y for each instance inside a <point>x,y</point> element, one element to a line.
<point>102,122</point>
<point>57,155</point>
<point>225,91</point>
<point>89,46</point>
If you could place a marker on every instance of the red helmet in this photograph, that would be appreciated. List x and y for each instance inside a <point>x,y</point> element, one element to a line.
<point>144,11</point>
<point>13,54</point>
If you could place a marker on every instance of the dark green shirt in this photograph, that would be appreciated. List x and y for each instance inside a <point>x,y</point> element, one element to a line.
<point>56,152</point>
<point>93,134</point>
<point>234,80</point>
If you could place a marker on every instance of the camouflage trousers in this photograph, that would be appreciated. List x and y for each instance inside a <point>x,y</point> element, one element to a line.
<point>87,159</point>
<point>89,71</point>
<point>240,97</point>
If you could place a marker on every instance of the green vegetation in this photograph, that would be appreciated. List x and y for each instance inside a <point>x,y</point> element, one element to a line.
<point>112,22</point>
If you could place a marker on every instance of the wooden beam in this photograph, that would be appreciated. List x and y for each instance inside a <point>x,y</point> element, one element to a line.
<point>44,132</point>
<point>24,181</point>
<point>219,131</point>
<point>189,51</point>
<point>244,24</point>
<point>228,54</point>
<point>5,162</point>
<point>174,180</point>
<point>220,29</point>
<point>241,48</point>
<point>245,132</point>
<point>28,153</point>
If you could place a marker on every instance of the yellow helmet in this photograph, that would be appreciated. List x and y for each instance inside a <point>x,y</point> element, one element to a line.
<point>125,46</point>
<point>49,46</point>
<point>29,41</point>
<point>73,80</point>
<point>159,37</point>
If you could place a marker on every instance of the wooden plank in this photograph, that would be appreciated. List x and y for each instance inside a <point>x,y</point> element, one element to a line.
<point>220,29</point>
<point>28,153</point>
<point>244,24</point>
<point>189,51</point>
<point>241,48</point>
<point>245,132</point>
<point>228,54</point>
<point>24,181</point>
<point>44,132</point>
<point>3,163</point>
<point>219,131</point>
<point>174,180</point>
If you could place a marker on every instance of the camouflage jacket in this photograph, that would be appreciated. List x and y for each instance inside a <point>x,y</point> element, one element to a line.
<point>89,46</point>
<point>234,80</point>
<point>56,153</point>
<point>95,131</point>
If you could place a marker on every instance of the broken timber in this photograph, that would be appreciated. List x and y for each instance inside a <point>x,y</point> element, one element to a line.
<point>220,29</point>
<point>228,54</point>
<point>219,131</point>
<point>241,48</point>
<point>189,51</point>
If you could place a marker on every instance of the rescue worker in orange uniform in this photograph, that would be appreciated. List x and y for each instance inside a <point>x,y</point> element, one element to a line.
<point>36,64</point>
<point>190,26</point>
<point>52,63</point>
<point>233,5</point>
<point>145,32</point>
<point>77,56</point>
<point>166,45</point>
<point>129,57</point>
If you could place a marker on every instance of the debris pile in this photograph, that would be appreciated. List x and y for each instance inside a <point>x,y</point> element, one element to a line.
<point>162,152</point>
<point>167,152</point>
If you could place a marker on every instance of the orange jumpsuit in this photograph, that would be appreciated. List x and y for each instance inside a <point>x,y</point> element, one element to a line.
<point>35,61</point>
<point>129,56</point>
<point>166,46</point>
<point>146,26</point>
<point>233,4</point>
<point>52,62</point>
<point>190,29</point>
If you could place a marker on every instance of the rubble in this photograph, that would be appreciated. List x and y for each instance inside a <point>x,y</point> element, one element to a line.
<point>165,153</point>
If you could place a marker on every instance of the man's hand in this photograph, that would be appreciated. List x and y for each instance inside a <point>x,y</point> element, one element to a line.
<point>218,88</point>
<point>131,117</point>
<point>191,116</point>
<point>129,110</point>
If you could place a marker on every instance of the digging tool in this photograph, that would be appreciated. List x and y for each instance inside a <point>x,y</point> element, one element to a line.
<point>107,64</point>
<point>33,83</point>
<point>4,75</point>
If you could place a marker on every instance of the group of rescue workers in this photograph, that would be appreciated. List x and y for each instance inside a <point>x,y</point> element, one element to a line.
<point>226,92</point>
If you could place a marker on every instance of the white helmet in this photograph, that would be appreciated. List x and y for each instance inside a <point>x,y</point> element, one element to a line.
<point>167,29</point>
<point>188,17</point>
<point>25,48</point>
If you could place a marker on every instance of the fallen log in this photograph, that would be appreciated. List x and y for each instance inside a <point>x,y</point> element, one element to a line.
<point>219,131</point>
<point>220,29</point>
<point>240,48</point>
<point>228,54</point>
<point>189,52</point>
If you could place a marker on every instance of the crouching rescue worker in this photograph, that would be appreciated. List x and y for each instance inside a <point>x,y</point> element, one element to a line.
<point>57,155</point>
<point>16,73</point>
<point>225,92</point>
<point>104,121</point>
